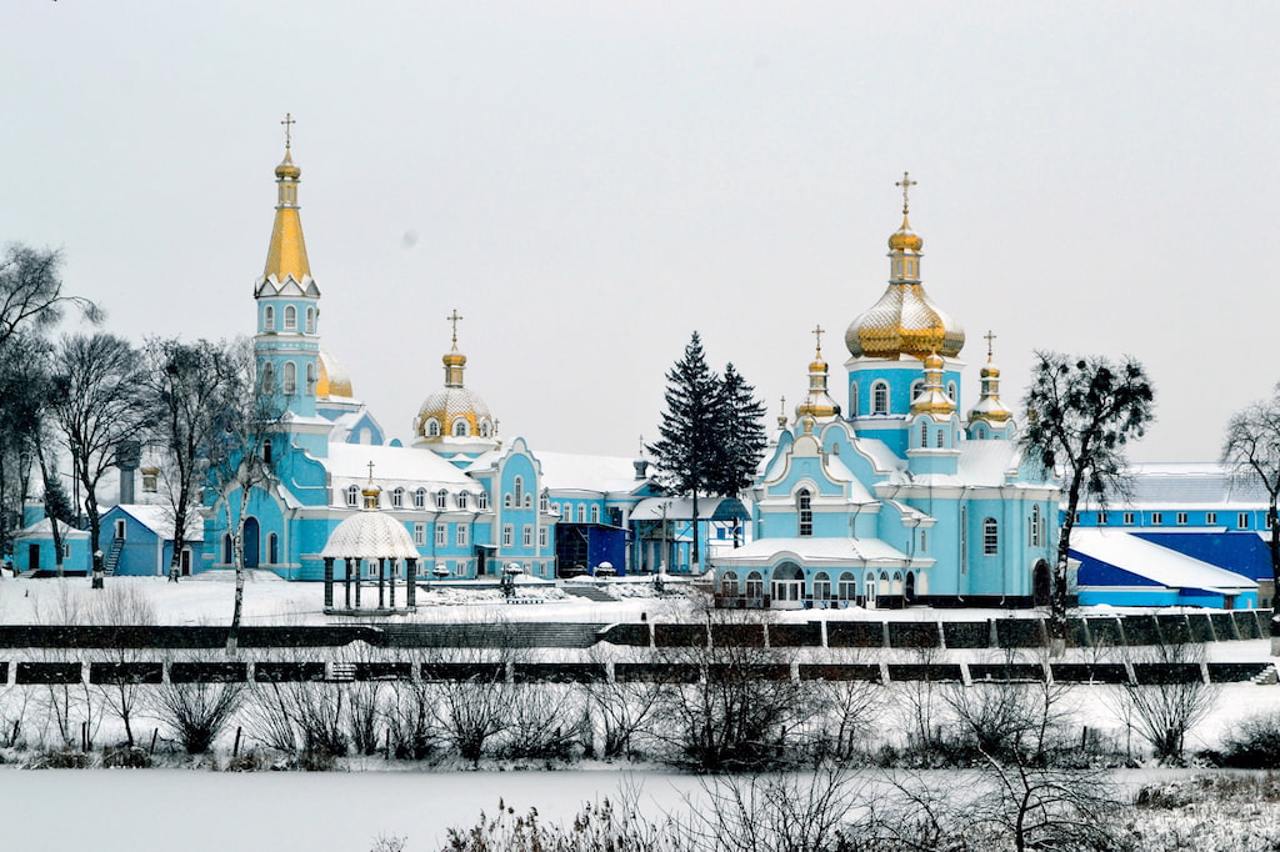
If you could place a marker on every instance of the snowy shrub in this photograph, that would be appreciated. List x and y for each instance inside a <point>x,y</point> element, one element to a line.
<point>410,715</point>
<point>59,759</point>
<point>196,713</point>
<point>127,757</point>
<point>1166,707</point>
<point>543,723</point>
<point>1254,743</point>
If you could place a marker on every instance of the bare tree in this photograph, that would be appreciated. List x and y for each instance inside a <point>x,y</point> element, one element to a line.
<point>31,294</point>
<point>1252,453</point>
<point>196,713</point>
<point>544,721</point>
<point>99,404</point>
<point>625,708</point>
<point>1173,700</point>
<point>123,692</point>
<point>473,703</point>
<point>185,382</point>
<point>1080,415</point>
<point>248,413</point>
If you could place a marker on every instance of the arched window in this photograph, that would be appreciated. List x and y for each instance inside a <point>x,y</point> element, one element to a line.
<point>268,377</point>
<point>442,499</point>
<point>482,501</point>
<point>990,536</point>
<point>916,387</point>
<point>804,504</point>
<point>228,549</point>
<point>848,587</point>
<point>397,498</point>
<point>266,451</point>
<point>519,490</point>
<point>595,514</point>
<point>290,318</point>
<point>273,549</point>
<point>269,318</point>
<point>290,378</point>
<point>463,500</point>
<point>582,513</point>
<point>755,585</point>
<point>924,434</point>
<point>506,500</point>
<point>528,501</point>
<point>353,496</point>
<point>729,584</point>
<point>485,428</point>
<point>880,398</point>
<point>420,498</point>
<point>433,428</point>
<point>461,428</point>
<point>822,587</point>
<point>544,505</point>
<point>311,320</point>
<point>951,390</point>
<point>311,379</point>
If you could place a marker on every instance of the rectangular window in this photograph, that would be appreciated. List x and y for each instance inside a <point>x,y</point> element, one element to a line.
<point>1102,519</point>
<point>542,536</point>
<point>1242,520</point>
<point>1128,519</point>
<point>1181,518</point>
<point>462,535</point>
<point>419,533</point>
<point>990,537</point>
<point>1211,518</point>
<point>442,532</point>
<point>526,536</point>
<point>924,541</point>
<point>507,535</point>
<point>1157,518</point>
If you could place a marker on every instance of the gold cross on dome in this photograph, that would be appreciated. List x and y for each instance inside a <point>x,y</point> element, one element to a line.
<point>370,470</point>
<point>453,319</point>
<point>818,331</point>
<point>288,128</point>
<point>906,183</point>
<point>989,337</point>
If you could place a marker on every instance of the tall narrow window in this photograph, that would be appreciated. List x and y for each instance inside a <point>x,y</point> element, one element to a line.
<point>442,532</point>
<point>1035,527</point>
<point>353,496</point>
<point>420,498</point>
<point>290,378</point>
<point>916,387</point>
<point>507,535</point>
<point>397,498</point>
<point>1128,519</point>
<point>1157,518</point>
<point>582,513</point>
<point>880,398</point>
<point>463,500</point>
<point>482,501</point>
<point>924,435</point>
<point>543,504</point>
<point>853,400</point>
<point>542,536</point>
<point>290,318</point>
<point>519,490</point>
<point>311,320</point>
<point>990,537</point>
<point>442,498</point>
<point>595,514</point>
<point>419,533</point>
<point>1211,518</point>
<point>269,318</point>
<point>461,538</point>
<point>804,504</point>
<point>268,377</point>
<point>1242,520</point>
<point>526,536</point>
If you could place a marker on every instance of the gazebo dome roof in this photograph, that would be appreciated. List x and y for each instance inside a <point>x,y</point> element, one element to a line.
<point>369,534</point>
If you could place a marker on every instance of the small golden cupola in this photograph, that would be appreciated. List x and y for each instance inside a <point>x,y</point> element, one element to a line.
<point>905,321</point>
<point>818,403</point>
<point>334,382</point>
<point>989,408</point>
<point>933,398</point>
<point>287,251</point>
<point>455,417</point>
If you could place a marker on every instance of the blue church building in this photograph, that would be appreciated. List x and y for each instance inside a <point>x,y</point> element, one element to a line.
<point>892,496</point>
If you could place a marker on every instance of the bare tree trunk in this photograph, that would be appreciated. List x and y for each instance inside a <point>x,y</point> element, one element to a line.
<point>1058,600</point>
<point>237,554</point>
<point>693,559</point>
<point>1275,576</point>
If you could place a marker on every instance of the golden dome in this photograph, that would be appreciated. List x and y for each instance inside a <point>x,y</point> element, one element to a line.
<point>287,169</point>
<point>905,239</point>
<point>989,407</point>
<point>454,359</point>
<point>933,399</point>
<point>333,380</point>
<point>905,321</point>
<point>448,407</point>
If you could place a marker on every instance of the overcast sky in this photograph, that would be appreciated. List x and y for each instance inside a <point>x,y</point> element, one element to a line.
<point>588,182</point>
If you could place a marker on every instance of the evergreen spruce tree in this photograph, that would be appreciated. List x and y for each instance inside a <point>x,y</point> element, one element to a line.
<point>689,453</point>
<point>744,438</point>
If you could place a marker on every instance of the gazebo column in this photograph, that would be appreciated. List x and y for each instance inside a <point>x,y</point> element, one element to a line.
<point>359,568</point>
<point>328,582</point>
<point>411,587</point>
<point>347,580</point>
<point>394,562</point>
<point>382,583</point>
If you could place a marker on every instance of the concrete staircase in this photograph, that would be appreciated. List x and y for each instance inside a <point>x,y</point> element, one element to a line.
<point>591,593</point>
<point>112,559</point>
<point>1267,677</point>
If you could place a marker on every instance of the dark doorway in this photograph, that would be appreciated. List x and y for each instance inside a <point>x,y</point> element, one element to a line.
<point>251,543</point>
<point>186,561</point>
<point>33,557</point>
<point>1041,585</point>
<point>909,590</point>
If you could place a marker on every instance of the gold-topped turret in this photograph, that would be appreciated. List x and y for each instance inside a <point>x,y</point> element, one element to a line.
<point>371,492</point>
<point>933,399</point>
<point>454,361</point>
<point>905,321</point>
<point>455,414</point>
<point>818,403</point>
<point>287,252</point>
<point>989,407</point>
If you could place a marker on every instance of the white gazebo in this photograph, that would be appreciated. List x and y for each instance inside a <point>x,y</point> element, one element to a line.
<point>359,540</point>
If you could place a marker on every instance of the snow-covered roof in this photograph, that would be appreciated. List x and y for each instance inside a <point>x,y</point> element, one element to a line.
<point>575,471</point>
<point>1169,568</point>
<point>43,528</point>
<point>681,508</point>
<point>1192,484</point>
<point>984,463</point>
<point>393,464</point>
<point>839,550</point>
<point>159,519</point>
<point>883,457</point>
<point>370,534</point>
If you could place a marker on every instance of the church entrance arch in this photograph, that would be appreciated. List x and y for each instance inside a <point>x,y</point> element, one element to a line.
<point>251,547</point>
<point>1041,584</point>
<point>909,591</point>
<point>788,585</point>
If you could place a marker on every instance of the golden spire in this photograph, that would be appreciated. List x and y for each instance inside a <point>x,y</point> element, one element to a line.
<point>904,239</point>
<point>818,402</point>
<point>454,361</point>
<point>933,399</point>
<point>371,491</point>
<point>287,252</point>
<point>989,407</point>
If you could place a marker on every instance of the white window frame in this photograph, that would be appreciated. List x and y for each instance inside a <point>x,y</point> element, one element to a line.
<point>990,537</point>
<point>269,318</point>
<point>526,536</point>
<point>595,514</point>
<point>582,513</point>
<point>463,500</point>
<point>1157,519</point>
<point>542,537</point>
<point>353,497</point>
<point>482,501</point>
<point>1242,520</point>
<point>290,318</point>
<point>442,499</point>
<point>1180,519</point>
<point>879,397</point>
<point>508,535</point>
<point>290,378</point>
<point>420,498</point>
<point>442,534</point>
<point>1211,519</point>
<point>397,498</point>
<point>419,533</point>
<point>311,321</point>
<point>804,513</point>
<point>460,538</point>
<point>1128,519</point>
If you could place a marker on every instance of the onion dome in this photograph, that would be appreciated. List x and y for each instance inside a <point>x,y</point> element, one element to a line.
<point>905,321</point>
<point>933,399</point>
<point>370,534</point>
<point>334,380</point>
<point>818,403</point>
<point>287,169</point>
<point>454,412</point>
<point>989,407</point>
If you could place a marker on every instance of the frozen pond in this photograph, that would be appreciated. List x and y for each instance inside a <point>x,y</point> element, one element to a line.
<point>204,811</point>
